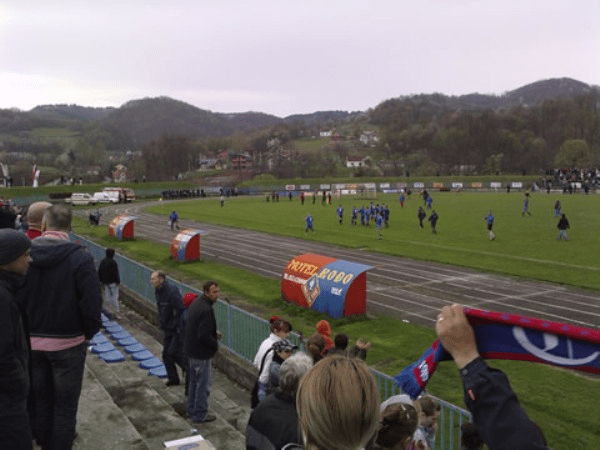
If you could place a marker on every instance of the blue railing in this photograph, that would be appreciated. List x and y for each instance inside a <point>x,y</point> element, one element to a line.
<point>244,332</point>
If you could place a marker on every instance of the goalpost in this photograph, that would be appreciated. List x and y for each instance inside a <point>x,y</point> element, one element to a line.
<point>366,191</point>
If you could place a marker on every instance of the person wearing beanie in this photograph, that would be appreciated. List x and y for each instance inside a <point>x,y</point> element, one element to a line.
<point>63,300</point>
<point>188,298</point>
<point>324,330</point>
<point>15,429</point>
<point>35,213</point>
<point>108,272</point>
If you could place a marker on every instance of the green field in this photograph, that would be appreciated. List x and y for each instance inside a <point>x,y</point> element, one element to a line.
<point>524,246</point>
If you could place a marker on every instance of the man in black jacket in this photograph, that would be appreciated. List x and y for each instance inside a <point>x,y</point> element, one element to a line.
<point>63,303</point>
<point>15,430</point>
<point>497,414</point>
<point>201,343</point>
<point>108,272</point>
<point>170,307</point>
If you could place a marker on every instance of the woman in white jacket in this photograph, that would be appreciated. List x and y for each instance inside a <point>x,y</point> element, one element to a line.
<point>280,329</point>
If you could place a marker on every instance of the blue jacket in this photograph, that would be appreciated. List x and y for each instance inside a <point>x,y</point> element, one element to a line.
<point>62,296</point>
<point>170,307</point>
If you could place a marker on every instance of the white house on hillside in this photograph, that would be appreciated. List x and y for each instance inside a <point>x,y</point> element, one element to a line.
<point>356,161</point>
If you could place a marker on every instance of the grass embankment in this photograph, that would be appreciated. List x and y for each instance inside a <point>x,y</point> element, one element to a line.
<point>561,402</point>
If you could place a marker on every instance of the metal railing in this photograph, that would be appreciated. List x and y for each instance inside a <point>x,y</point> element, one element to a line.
<point>244,332</point>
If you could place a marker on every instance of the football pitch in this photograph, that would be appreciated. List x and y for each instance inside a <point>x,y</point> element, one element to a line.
<point>525,245</point>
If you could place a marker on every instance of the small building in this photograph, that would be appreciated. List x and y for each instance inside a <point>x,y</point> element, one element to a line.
<point>353,162</point>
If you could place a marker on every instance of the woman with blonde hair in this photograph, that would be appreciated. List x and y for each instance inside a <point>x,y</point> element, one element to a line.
<point>337,405</point>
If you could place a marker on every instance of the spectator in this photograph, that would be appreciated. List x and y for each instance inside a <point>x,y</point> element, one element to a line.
<point>273,423</point>
<point>201,344</point>
<point>315,347</point>
<point>15,429</point>
<point>338,405</point>
<point>170,307</point>
<point>358,350</point>
<point>324,330</point>
<point>282,350</point>
<point>188,299</point>
<point>280,329</point>
<point>398,423</point>
<point>497,414</point>
<point>108,272</point>
<point>63,301</point>
<point>469,437</point>
<point>429,411</point>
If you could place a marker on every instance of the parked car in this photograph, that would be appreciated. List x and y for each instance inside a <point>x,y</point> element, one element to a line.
<point>81,199</point>
<point>103,197</point>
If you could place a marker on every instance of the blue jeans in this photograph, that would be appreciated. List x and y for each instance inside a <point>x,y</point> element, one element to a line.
<point>56,385</point>
<point>199,379</point>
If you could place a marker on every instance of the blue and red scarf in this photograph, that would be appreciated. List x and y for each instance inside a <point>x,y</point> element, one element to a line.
<point>510,336</point>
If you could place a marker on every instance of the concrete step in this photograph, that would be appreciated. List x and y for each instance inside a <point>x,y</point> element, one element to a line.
<point>157,412</point>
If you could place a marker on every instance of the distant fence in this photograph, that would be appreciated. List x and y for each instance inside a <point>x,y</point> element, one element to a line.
<point>244,332</point>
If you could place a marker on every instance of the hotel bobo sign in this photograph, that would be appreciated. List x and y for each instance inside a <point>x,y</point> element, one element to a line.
<point>327,285</point>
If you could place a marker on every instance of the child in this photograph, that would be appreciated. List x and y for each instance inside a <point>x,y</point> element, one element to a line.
<point>424,437</point>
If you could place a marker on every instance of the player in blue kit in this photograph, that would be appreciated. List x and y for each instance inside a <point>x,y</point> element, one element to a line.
<point>361,211</point>
<point>367,216</point>
<point>340,213</point>
<point>309,223</point>
<point>353,217</point>
<point>378,222</point>
<point>489,220</point>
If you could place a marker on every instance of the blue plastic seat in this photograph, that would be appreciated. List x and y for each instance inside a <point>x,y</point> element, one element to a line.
<point>112,356</point>
<point>158,371</point>
<point>114,328</point>
<point>103,348</point>
<point>134,348</point>
<point>120,335</point>
<point>127,341</point>
<point>151,363</point>
<point>99,338</point>
<point>142,355</point>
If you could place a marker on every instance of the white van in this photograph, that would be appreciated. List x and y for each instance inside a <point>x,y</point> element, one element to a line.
<point>81,199</point>
<point>103,197</point>
<point>120,194</point>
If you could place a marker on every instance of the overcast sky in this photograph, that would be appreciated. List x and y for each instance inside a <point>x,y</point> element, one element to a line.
<point>284,57</point>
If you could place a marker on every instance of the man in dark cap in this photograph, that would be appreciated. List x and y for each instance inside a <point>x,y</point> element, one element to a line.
<point>15,431</point>
<point>63,303</point>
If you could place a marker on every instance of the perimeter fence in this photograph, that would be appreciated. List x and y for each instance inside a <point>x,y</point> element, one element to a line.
<point>243,333</point>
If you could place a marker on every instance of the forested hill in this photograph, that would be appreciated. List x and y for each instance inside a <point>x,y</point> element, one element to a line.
<point>531,95</point>
<point>146,119</point>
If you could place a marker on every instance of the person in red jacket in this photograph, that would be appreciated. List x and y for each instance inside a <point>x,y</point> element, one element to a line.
<point>324,330</point>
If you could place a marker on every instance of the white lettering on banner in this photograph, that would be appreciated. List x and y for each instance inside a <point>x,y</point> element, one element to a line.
<point>336,291</point>
<point>424,370</point>
<point>287,276</point>
<point>550,342</point>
